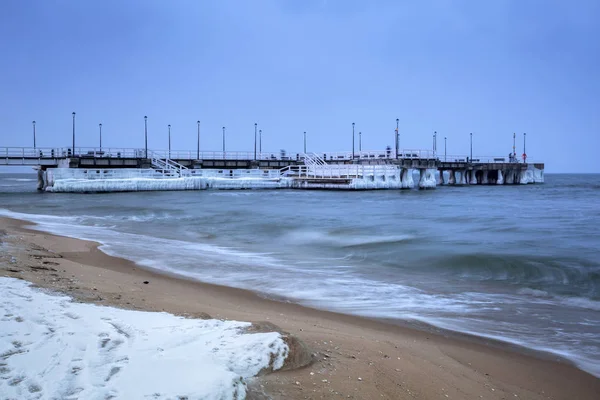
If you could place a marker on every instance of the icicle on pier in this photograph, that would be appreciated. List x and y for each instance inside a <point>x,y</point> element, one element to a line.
<point>116,170</point>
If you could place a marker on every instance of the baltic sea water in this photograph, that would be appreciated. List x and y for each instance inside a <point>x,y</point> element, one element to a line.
<point>516,263</point>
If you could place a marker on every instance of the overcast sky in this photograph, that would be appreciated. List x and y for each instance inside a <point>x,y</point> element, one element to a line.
<point>488,67</point>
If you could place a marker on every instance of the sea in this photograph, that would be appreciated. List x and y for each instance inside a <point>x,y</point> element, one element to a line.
<point>520,264</point>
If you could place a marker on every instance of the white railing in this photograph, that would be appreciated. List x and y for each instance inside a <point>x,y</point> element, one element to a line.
<point>235,173</point>
<point>136,173</point>
<point>167,164</point>
<point>312,159</point>
<point>112,152</point>
<point>338,171</point>
<point>484,159</point>
<point>40,153</point>
<point>75,173</point>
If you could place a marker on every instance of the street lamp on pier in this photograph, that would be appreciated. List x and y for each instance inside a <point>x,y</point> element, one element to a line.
<point>444,148</point>
<point>359,142</point>
<point>34,146</point>
<point>305,142</point>
<point>471,134</point>
<point>260,141</point>
<point>353,141</point>
<point>198,142</point>
<point>397,136</point>
<point>73,149</point>
<point>255,127</point>
<point>223,142</point>
<point>169,140</point>
<point>524,152</point>
<point>100,126</point>
<point>146,135</point>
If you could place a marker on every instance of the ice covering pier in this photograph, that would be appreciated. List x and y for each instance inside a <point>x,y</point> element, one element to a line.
<point>108,170</point>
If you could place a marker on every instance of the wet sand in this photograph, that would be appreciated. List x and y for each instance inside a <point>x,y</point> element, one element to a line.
<point>352,357</point>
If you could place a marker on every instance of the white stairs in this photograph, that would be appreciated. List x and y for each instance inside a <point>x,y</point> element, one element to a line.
<point>168,167</point>
<point>313,160</point>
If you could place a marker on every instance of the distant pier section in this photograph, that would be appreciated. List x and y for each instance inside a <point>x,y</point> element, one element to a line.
<point>112,169</point>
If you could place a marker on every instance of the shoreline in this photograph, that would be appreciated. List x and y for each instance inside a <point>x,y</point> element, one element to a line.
<point>391,358</point>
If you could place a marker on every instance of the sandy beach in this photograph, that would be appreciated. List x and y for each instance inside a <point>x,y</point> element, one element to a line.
<point>350,357</point>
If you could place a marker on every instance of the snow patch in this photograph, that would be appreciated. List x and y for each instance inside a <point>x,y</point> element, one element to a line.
<point>52,347</point>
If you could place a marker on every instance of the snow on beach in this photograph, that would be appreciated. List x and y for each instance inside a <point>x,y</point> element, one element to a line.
<point>52,347</point>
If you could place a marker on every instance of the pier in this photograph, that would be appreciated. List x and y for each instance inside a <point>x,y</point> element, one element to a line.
<point>123,169</point>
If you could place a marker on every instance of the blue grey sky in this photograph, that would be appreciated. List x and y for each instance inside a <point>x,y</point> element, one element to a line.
<point>452,66</point>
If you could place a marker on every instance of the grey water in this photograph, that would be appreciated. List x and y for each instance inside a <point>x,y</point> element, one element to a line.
<point>515,263</point>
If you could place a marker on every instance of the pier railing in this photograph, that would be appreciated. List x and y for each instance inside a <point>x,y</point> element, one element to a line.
<point>28,155</point>
<point>482,159</point>
<point>338,171</point>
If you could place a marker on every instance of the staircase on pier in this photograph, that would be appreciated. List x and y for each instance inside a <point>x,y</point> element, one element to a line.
<point>168,167</point>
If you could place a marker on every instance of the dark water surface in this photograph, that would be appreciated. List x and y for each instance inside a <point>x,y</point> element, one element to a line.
<point>516,263</point>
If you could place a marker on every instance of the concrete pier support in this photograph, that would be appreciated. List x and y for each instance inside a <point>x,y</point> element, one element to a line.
<point>511,177</point>
<point>427,179</point>
<point>461,177</point>
<point>40,179</point>
<point>472,178</point>
<point>452,177</point>
<point>407,181</point>
<point>440,178</point>
<point>485,178</point>
<point>500,180</point>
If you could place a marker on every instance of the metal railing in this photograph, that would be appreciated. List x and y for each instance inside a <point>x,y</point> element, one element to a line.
<point>47,153</point>
<point>167,164</point>
<point>339,171</point>
<point>484,159</point>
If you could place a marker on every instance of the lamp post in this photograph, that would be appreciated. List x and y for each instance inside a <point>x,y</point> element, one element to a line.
<point>359,141</point>
<point>255,127</point>
<point>169,140</point>
<point>434,143</point>
<point>304,142</point>
<point>146,135</point>
<point>260,141</point>
<point>100,126</point>
<point>198,143</point>
<point>353,141</point>
<point>73,152</point>
<point>397,138</point>
<point>444,148</point>
<point>514,154</point>
<point>471,134</point>
<point>223,142</point>
<point>34,147</point>
<point>524,152</point>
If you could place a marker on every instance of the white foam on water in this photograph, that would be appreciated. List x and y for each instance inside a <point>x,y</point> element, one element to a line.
<point>307,237</point>
<point>52,347</point>
<point>20,179</point>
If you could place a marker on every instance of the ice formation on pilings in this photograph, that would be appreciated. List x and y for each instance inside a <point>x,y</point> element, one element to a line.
<point>452,177</point>
<point>484,178</point>
<point>427,178</point>
<point>460,177</point>
<point>500,180</point>
<point>472,178</point>
<point>149,184</point>
<point>511,176</point>
<point>407,179</point>
<point>538,175</point>
<point>532,175</point>
<point>439,178</point>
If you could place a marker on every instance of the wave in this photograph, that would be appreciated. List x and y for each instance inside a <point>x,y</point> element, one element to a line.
<point>20,179</point>
<point>343,240</point>
<point>565,276</point>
